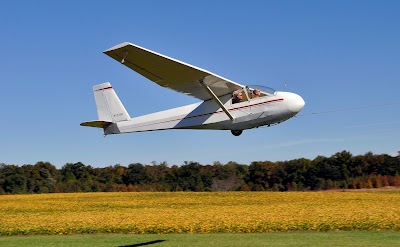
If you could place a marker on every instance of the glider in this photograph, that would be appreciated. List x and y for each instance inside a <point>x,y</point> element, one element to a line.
<point>224,105</point>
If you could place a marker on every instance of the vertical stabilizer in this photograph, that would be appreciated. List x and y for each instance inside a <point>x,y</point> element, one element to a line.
<point>109,106</point>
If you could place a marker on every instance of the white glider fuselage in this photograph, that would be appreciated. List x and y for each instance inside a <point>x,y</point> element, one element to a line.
<point>267,110</point>
<point>258,105</point>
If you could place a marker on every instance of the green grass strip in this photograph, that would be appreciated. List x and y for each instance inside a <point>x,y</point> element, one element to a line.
<point>321,239</point>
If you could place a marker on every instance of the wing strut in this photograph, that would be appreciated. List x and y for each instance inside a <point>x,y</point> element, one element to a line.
<point>207,88</point>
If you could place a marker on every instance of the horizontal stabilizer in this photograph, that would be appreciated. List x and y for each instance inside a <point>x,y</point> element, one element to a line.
<point>97,124</point>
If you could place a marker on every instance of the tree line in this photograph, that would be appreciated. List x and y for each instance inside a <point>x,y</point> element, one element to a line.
<point>340,171</point>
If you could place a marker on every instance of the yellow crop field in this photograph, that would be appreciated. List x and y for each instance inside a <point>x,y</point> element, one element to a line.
<point>194,212</point>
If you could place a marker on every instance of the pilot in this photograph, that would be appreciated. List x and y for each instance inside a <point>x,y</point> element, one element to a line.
<point>256,93</point>
<point>237,97</point>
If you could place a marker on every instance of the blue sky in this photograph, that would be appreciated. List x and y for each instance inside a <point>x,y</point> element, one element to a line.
<point>335,54</point>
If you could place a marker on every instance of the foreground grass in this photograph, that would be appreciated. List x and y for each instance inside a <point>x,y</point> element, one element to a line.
<point>191,212</point>
<point>306,239</point>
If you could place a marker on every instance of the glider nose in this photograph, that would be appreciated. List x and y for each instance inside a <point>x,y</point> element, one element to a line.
<point>296,103</point>
<point>299,103</point>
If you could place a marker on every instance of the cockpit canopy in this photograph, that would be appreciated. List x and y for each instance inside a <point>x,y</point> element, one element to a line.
<point>263,90</point>
<point>252,92</point>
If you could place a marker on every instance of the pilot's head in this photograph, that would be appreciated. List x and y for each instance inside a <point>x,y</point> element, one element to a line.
<point>238,94</point>
<point>256,92</point>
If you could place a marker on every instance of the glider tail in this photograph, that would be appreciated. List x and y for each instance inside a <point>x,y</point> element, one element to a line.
<point>109,107</point>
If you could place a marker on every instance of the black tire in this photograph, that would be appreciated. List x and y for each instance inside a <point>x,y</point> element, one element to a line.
<point>236,132</point>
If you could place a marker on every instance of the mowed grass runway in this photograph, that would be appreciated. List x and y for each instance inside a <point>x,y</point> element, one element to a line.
<point>193,212</point>
<point>298,239</point>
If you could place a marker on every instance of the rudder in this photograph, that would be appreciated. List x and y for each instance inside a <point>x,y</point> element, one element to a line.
<point>109,106</point>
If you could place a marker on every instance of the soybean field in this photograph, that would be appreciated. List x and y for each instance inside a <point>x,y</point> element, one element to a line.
<point>197,212</point>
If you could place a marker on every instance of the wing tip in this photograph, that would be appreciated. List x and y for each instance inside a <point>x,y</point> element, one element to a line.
<point>123,44</point>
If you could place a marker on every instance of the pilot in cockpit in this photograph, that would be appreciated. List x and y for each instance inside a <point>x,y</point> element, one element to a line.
<point>256,93</point>
<point>237,97</point>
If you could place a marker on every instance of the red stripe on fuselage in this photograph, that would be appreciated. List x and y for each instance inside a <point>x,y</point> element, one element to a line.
<point>221,111</point>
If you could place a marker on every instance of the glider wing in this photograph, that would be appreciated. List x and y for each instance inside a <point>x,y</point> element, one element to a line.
<point>171,73</point>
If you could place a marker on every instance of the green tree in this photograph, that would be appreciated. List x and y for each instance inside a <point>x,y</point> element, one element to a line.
<point>76,177</point>
<point>12,179</point>
<point>261,174</point>
<point>135,175</point>
<point>189,177</point>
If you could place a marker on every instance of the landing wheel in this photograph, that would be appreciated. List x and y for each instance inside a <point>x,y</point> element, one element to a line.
<point>236,132</point>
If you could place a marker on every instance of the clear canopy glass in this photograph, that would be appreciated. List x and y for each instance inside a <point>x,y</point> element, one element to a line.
<point>255,91</point>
